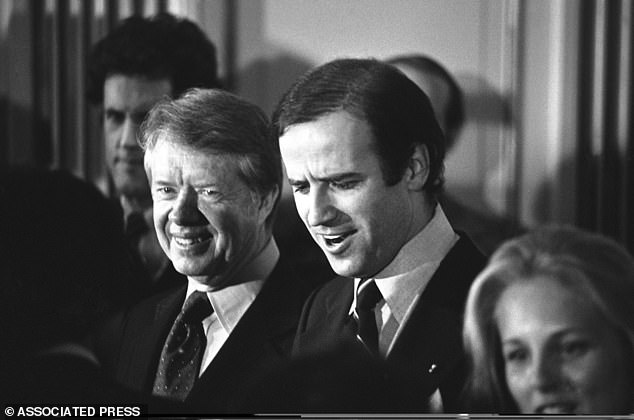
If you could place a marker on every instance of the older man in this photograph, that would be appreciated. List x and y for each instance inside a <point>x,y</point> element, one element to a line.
<point>141,61</point>
<point>364,156</point>
<point>215,177</point>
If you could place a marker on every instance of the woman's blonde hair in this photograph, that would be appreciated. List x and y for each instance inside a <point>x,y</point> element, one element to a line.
<point>589,264</point>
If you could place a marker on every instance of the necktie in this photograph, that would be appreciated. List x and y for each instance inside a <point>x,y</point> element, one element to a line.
<point>181,356</point>
<point>367,298</point>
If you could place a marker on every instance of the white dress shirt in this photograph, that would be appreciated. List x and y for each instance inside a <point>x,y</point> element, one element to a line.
<point>231,303</point>
<point>403,281</point>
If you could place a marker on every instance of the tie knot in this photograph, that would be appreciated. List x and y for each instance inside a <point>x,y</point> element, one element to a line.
<point>368,295</point>
<point>197,307</point>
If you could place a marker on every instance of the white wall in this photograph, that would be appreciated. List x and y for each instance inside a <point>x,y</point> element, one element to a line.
<point>280,39</point>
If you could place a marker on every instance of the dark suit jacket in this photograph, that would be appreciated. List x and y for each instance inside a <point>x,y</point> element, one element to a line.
<point>66,378</point>
<point>429,348</point>
<point>262,338</point>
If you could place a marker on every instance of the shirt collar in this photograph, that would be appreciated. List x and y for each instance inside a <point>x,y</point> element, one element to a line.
<point>230,303</point>
<point>404,278</point>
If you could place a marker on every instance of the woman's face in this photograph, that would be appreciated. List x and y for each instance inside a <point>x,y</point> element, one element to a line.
<point>560,354</point>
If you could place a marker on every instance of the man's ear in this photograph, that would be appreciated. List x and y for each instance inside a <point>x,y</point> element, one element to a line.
<point>418,168</point>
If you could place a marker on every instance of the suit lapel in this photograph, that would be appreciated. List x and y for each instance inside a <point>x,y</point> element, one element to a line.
<point>143,345</point>
<point>326,321</point>
<point>262,337</point>
<point>431,340</point>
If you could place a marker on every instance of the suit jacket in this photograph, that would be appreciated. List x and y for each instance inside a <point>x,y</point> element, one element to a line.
<point>262,338</point>
<point>66,378</point>
<point>428,352</point>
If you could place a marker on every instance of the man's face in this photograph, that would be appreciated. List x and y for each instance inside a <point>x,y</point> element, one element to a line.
<point>358,221</point>
<point>126,102</point>
<point>207,220</point>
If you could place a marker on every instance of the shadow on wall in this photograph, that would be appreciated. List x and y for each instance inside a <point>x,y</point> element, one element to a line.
<point>25,133</point>
<point>478,148</point>
<point>479,202</point>
<point>267,79</point>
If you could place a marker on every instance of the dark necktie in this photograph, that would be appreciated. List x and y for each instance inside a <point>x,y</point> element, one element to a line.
<point>367,298</point>
<point>183,351</point>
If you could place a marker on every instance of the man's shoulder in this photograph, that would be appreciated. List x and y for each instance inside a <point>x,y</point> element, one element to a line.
<point>452,280</point>
<point>334,288</point>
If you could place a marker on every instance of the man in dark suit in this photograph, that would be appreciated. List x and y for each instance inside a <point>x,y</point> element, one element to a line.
<point>141,61</point>
<point>215,176</point>
<point>364,156</point>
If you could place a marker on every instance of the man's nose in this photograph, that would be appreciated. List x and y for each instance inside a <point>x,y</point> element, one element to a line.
<point>129,133</point>
<point>185,209</point>
<point>321,210</point>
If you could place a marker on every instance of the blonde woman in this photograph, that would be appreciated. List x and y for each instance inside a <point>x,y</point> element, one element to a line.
<point>549,326</point>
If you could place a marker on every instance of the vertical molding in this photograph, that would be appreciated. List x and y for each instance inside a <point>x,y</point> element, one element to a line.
<point>627,120</point>
<point>586,213</point>
<point>597,127</point>
<point>230,28</point>
<point>624,125</point>
<point>42,140</point>
<point>84,151</point>
<point>512,73</point>
<point>56,88</point>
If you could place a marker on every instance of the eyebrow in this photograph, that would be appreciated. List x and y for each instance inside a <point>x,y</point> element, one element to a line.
<point>330,178</point>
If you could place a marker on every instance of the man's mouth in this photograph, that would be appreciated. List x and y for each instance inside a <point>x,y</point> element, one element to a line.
<point>191,241</point>
<point>336,242</point>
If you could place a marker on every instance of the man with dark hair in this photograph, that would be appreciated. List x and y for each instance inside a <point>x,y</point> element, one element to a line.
<point>215,177</point>
<point>486,229</point>
<point>141,61</point>
<point>364,156</point>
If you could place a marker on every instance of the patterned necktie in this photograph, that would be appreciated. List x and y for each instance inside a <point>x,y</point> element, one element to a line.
<point>182,354</point>
<point>367,298</point>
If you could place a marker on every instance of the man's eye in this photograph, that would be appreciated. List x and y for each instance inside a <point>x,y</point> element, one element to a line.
<point>164,190</point>
<point>344,185</point>
<point>209,192</point>
<point>301,188</point>
<point>114,117</point>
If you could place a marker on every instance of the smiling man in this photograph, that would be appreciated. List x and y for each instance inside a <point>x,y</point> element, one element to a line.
<point>364,156</point>
<point>137,64</point>
<point>215,176</point>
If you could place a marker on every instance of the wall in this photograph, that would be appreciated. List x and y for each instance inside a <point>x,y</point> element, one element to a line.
<point>277,40</point>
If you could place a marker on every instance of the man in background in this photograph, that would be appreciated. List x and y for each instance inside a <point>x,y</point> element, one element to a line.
<point>141,61</point>
<point>486,229</point>
<point>364,156</point>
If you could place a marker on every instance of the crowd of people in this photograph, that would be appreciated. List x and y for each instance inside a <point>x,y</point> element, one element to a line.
<point>174,293</point>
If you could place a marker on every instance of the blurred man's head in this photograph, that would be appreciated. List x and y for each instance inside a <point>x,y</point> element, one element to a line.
<point>444,92</point>
<point>132,68</point>
<point>65,266</point>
